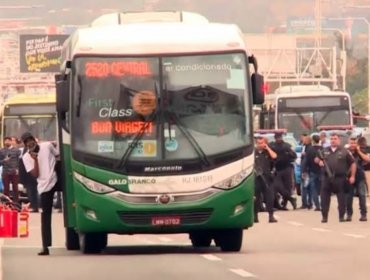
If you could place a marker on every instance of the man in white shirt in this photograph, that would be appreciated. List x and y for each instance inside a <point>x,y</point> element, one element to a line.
<point>39,161</point>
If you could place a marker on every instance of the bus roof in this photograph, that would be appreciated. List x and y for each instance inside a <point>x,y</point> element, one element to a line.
<point>153,38</point>
<point>301,88</point>
<point>31,99</point>
<point>312,93</point>
<point>152,16</point>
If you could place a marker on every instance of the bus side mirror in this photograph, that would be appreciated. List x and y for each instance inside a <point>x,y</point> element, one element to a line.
<point>257,88</point>
<point>257,82</point>
<point>62,92</point>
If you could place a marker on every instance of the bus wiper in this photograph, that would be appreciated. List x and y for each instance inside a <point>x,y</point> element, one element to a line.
<point>139,135</point>
<point>323,118</point>
<point>198,149</point>
<point>134,142</point>
<point>49,124</point>
<point>184,130</point>
<point>23,121</point>
<point>304,121</point>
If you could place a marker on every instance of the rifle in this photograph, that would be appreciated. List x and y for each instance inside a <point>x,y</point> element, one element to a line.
<point>328,171</point>
<point>259,173</point>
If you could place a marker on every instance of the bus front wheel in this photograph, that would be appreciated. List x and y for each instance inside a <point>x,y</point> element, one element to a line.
<point>229,240</point>
<point>200,239</point>
<point>72,239</point>
<point>93,242</point>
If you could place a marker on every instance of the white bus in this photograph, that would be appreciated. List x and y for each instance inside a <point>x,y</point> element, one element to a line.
<point>302,111</point>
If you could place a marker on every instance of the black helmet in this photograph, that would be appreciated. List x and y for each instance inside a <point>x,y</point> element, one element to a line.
<point>27,135</point>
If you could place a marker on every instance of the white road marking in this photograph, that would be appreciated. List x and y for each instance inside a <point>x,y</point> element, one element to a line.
<point>211,257</point>
<point>321,229</point>
<point>295,224</point>
<point>243,273</point>
<point>165,239</point>
<point>354,235</point>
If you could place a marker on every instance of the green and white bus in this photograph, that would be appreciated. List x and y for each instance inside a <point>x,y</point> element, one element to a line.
<point>156,132</point>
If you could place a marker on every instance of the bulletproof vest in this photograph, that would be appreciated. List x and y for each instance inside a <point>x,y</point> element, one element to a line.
<point>285,155</point>
<point>263,162</point>
<point>337,161</point>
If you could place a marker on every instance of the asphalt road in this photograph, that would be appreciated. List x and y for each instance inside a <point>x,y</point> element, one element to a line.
<point>298,247</point>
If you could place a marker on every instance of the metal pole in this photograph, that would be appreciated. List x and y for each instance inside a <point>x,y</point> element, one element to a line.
<point>368,65</point>
<point>368,55</point>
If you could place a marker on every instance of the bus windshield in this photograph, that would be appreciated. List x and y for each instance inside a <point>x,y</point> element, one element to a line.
<point>43,128</point>
<point>160,109</point>
<point>305,114</point>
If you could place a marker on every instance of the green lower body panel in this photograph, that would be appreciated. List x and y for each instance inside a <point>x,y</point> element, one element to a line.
<point>103,213</point>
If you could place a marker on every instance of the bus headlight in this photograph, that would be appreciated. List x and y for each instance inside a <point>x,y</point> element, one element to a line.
<point>234,180</point>
<point>92,185</point>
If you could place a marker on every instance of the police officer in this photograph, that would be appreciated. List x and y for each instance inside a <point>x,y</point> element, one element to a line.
<point>337,163</point>
<point>263,164</point>
<point>284,170</point>
<point>359,187</point>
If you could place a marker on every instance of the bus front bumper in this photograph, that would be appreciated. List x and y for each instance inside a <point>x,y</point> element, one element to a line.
<point>105,213</point>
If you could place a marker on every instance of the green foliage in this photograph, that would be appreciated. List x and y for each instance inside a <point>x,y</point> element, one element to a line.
<point>359,101</point>
<point>357,78</point>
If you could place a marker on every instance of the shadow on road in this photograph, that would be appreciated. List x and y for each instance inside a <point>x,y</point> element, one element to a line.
<point>158,249</point>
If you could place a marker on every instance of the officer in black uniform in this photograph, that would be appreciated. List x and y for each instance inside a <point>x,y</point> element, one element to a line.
<point>337,163</point>
<point>283,181</point>
<point>359,187</point>
<point>263,165</point>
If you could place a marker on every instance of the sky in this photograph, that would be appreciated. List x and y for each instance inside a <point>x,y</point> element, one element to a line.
<point>250,15</point>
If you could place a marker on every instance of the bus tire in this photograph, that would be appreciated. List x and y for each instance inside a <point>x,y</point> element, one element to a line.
<point>229,240</point>
<point>200,239</point>
<point>93,242</point>
<point>72,239</point>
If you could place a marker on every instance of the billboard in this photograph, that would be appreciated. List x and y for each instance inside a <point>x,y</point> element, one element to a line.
<point>40,53</point>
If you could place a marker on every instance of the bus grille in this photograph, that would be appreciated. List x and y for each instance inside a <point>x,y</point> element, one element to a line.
<point>188,217</point>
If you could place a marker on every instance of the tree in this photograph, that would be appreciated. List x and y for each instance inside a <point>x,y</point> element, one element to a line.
<point>356,75</point>
<point>359,101</point>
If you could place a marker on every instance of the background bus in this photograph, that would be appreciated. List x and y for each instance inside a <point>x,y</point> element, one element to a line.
<point>157,132</point>
<point>35,113</point>
<point>303,111</point>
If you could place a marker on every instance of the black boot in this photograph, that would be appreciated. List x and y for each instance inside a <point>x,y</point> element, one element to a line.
<point>44,252</point>
<point>272,218</point>
<point>293,201</point>
<point>363,218</point>
<point>256,218</point>
<point>324,218</point>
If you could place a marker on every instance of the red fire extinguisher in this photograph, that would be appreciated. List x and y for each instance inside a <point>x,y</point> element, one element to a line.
<point>8,222</point>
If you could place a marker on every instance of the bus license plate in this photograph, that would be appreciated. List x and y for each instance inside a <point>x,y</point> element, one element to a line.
<point>166,221</point>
